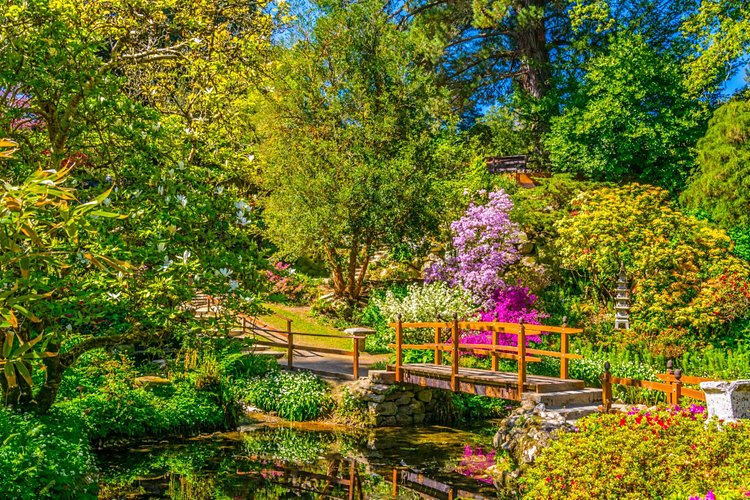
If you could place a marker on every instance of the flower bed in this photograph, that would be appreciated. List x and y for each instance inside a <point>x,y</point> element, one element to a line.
<point>668,453</point>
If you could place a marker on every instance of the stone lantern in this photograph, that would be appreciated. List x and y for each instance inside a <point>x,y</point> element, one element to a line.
<point>622,302</point>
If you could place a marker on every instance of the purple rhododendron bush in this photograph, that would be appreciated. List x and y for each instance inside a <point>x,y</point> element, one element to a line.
<point>666,453</point>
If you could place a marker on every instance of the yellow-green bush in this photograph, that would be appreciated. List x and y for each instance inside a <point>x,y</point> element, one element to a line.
<point>669,453</point>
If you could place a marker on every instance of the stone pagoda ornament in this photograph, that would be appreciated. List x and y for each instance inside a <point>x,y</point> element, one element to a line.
<point>622,302</point>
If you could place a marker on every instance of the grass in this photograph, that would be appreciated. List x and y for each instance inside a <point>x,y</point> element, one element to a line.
<point>303,322</point>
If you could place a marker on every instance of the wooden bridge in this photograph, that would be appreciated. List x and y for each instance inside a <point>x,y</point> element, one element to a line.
<point>448,374</point>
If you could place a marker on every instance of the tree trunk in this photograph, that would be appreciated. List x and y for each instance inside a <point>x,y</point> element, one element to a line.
<point>531,43</point>
<point>351,291</point>
<point>337,273</point>
<point>356,285</point>
<point>55,370</point>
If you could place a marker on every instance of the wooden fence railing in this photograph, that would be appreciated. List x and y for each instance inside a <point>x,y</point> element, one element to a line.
<point>672,383</point>
<point>285,339</point>
<point>519,352</point>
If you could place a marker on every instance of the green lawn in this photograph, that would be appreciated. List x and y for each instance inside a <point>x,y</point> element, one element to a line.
<point>302,321</point>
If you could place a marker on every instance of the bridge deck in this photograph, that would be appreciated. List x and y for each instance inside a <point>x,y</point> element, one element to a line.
<point>483,382</point>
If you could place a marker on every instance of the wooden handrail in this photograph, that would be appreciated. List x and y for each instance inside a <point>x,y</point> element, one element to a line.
<point>306,334</point>
<point>496,351</point>
<point>491,326</point>
<point>487,349</point>
<point>671,385</point>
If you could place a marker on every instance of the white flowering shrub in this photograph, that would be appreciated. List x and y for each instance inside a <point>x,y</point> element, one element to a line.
<point>426,303</point>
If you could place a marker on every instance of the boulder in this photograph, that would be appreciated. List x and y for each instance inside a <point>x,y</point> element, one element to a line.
<point>528,430</point>
<point>425,396</point>
<point>384,409</point>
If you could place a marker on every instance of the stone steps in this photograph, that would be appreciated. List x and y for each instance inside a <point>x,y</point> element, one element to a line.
<point>573,413</point>
<point>563,399</point>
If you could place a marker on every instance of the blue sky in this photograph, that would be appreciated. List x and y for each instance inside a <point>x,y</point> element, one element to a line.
<point>737,81</point>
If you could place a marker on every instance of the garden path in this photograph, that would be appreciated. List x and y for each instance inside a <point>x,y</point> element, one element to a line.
<point>332,365</point>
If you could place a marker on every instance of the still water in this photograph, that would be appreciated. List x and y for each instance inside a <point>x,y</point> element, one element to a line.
<point>270,460</point>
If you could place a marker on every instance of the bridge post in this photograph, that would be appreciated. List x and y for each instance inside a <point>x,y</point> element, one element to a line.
<point>521,358</point>
<point>289,345</point>
<point>677,388</point>
<point>454,357</point>
<point>670,371</point>
<point>495,343</point>
<point>564,350</point>
<point>438,347</point>
<point>606,388</point>
<point>399,342</point>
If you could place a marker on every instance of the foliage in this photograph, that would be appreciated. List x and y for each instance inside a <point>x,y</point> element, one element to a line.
<point>537,210</point>
<point>47,458</point>
<point>355,138</point>
<point>623,364</point>
<point>741,238</point>
<point>720,29</point>
<point>294,396</point>
<point>728,363</point>
<point>133,412</point>
<point>471,407</point>
<point>107,108</point>
<point>43,225</point>
<point>614,456</point>
<point>682,275</point>
<point>351,409</point>
<point>630,119</point>
<point>194,63</point>
<point>719,184</point>
<point>484,241</point>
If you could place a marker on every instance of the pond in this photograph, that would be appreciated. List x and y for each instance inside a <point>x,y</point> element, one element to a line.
<point>276,459</point>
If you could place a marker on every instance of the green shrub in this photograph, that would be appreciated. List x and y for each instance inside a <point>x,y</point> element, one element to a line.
<point>97,370</point>
<point>296,396</point>
<point>471,407</point>
<point>241,366</point>
<point>44,458</point>
<point>623,364</point>
<point>138,412</point>
<point>661,454</point>
<point>350,409</point>
<point>727,364</point>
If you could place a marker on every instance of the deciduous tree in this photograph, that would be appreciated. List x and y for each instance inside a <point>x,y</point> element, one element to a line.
<point>353,134</point>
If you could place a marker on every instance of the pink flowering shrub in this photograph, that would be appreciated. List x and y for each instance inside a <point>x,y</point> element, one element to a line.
<point>485,241</point>
<point>475,463</point>
<point>285,282</point>
<point>511,306</point>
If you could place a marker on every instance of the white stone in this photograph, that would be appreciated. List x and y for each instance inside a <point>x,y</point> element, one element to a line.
<point>359,331</point>
<point>727,401</point>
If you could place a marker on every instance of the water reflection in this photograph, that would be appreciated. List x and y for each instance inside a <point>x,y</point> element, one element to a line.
<point>270,462</point>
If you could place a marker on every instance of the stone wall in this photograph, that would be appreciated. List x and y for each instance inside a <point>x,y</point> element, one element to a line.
<point>391,405</point>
